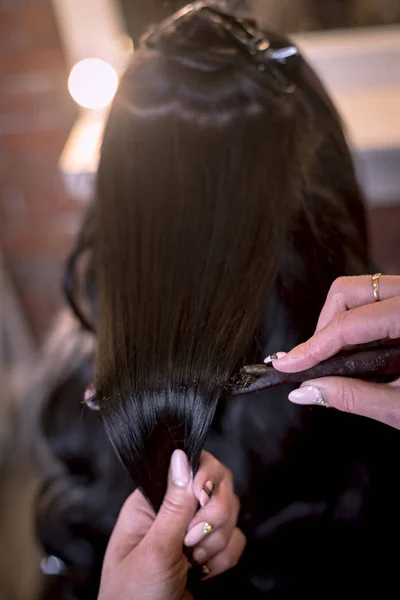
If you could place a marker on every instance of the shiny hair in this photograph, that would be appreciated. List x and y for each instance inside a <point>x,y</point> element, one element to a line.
<point>213,153</point>
<point>226,205</point>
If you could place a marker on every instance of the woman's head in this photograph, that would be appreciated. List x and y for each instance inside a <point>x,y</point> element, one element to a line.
<point>215,149</point>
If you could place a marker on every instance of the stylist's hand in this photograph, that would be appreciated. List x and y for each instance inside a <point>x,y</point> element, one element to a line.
<point>145,559</point>
<point>350,316</point>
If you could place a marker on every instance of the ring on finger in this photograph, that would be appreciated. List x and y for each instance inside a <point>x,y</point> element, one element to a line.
<point>375,286</point>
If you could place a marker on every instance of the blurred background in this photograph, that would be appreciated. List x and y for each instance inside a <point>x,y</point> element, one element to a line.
<point>59,67</point>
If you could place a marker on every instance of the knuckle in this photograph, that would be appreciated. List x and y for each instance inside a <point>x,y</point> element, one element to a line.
<point>311,352</point>
<point>154,553</point>
<point>242,539</point>
<point>232,558</point>
<point>238,550</point>
<point>393,326</point>
<point>395,384</point>
<point>229,475</point>
<point>339,292</point>
<point>157,561</point>
<point>235,506</point>
<point>226,561</point>
<point>217,464</point>
<point>342,320</point>
<point>219,541</point>
<point>222,512</point>
<point>211,458</point>
<point>172,504</point>
<point>393,416</point>
<point>346,399</point>
<point>342,327</point>
<point>130,502</point>
<point>338,286</point>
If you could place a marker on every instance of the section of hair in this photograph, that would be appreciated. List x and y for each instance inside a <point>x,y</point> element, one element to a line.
<point>194,197</point>
<point>204,169</point>
<point>192,133</point>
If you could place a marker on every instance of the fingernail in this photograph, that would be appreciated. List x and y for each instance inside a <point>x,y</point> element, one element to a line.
<point>308,395</point>
<point>180,468</point>
<point>206,493</point>
<point>90,398</point>
<point>275,356</point>
<point>196,534</point>
<point>200,555</point>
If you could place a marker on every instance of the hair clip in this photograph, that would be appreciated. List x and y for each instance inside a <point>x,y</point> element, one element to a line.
<point>268,56</point>
<point>255,43</point>
<point>90,398</point>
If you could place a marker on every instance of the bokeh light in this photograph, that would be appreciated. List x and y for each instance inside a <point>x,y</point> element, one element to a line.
<point>92,83</point>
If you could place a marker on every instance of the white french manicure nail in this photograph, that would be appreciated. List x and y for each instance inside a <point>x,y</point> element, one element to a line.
<point>206,493</point>
<point>308,395</point>
<point>270,359</point>
<point>180,468</point>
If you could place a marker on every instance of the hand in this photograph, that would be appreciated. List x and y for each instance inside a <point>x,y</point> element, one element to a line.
<point>350,316</point>
<point>223,546</point>
<point>145,559</point>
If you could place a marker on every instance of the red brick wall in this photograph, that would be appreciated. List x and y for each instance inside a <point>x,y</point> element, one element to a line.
<point>37,217</point>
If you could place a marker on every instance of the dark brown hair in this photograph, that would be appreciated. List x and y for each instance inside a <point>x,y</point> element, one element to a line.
<point>225,208</point>
<point>206,171</point>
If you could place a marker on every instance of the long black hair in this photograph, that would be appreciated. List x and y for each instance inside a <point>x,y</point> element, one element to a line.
<point>226,204</point>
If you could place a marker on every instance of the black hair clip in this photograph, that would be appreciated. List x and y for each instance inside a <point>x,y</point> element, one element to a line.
<point>269,55</point>
<point>255,42</point>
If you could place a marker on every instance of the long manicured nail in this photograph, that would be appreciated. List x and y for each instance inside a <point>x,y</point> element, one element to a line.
<point>180,468</point>
<point>90,398</point>
<point>308,395</point>
<point>206,493</point>
<point>198,533</point>
<point>275,356</point>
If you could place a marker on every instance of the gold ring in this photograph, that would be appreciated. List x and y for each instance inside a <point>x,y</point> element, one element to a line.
<point>205,570</point>
<point>375,286</point>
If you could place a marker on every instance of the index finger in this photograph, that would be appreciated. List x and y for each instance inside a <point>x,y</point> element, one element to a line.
<point>210,474</point>
<point>351,292</point>
<point>357,326</point>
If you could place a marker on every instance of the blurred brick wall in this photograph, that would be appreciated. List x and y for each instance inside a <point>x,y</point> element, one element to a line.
<point>37,218</point>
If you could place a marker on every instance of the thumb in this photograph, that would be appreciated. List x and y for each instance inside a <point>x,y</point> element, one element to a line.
<point>178,508</point>
<point>375,400</point>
